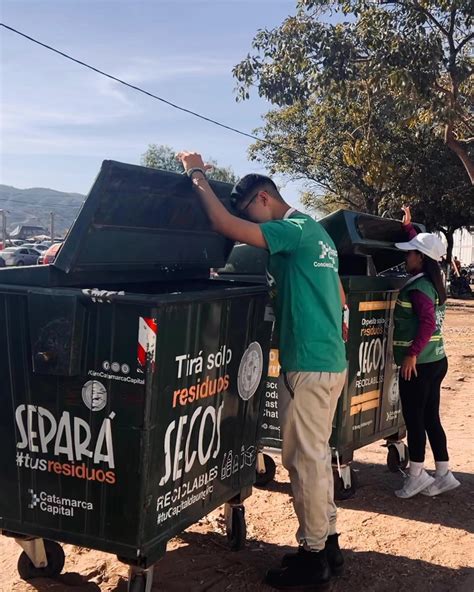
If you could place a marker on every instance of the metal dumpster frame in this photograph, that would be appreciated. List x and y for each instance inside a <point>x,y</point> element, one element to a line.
<point>99,355</point>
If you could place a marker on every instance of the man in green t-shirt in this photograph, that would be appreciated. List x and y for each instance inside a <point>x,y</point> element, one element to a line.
<point>304,281</point>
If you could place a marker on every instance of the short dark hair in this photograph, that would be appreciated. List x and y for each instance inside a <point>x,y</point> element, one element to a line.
<point>247,185</point>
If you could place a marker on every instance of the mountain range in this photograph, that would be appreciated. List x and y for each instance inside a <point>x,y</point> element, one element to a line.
<point>33,206</point>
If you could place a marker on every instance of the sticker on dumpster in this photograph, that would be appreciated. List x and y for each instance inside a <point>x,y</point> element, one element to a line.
<point>202,387</point>
<point>190,441</point>
<point>271,429</point>
<point>116,367</point>
<point>234,462</point>
<point>94,395</point>
<point>372,326</point>
<point>56,505</point>
<point>122,376</point>
<point>70,440</point>
<point>101,296</point>
<point>147,330</point>
<point>250,371</point>
<point>393,389</point>
<point>200,454</point>
<point>270,411</point>
<point>274,364</point>
<point>180,457</point>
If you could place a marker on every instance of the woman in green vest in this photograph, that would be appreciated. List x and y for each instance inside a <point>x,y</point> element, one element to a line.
<point>419,351</point>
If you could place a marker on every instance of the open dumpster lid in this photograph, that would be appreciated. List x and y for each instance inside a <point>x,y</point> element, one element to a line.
<point>138,219</point>
<point>358,235</point>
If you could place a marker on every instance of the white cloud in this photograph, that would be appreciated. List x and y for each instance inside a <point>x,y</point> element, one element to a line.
<point>142,70</point>
<point>113,90</point>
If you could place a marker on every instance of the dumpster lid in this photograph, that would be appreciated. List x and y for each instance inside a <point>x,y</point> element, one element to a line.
<point>138,219</point>
<point>357,234</point>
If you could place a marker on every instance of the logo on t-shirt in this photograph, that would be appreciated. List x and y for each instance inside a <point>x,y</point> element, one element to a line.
<point>327,256</point>
<point>271,282</point>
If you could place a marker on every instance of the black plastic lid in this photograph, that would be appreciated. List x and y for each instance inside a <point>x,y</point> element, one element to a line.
<point>138,219</point>
<point>360,236</point>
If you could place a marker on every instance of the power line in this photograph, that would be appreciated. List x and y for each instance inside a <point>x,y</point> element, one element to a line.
<point>141,90</point>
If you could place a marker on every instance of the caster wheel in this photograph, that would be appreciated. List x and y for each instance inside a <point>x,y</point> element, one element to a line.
<point>236,527</point>
<point>140,580</point>
<point>263,479</point>
<point>341,492</point>
<point>394,463</point>
<point>137,583</point>
<point>55,556</point>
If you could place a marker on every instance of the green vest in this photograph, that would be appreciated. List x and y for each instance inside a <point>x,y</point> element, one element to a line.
<point>406,323</point>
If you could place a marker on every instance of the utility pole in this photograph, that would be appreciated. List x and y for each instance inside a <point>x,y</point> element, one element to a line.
<point>52,226</point>
<point>3,214</point>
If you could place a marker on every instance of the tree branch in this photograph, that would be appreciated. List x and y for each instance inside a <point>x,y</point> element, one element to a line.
<point>431,17</point>
<point>468,122</point>
<point>442,89</point>
<point>460,151</point>
<point>416,6</point>
<point>452,22</point>
<point>463,42</point>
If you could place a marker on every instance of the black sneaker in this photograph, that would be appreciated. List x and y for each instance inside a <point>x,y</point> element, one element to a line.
<point>335,556</point>
<point>310,573</point>
<point>333,552</point>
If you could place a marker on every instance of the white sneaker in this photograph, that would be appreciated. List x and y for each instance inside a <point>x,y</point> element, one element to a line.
<point>441,484</point>
<point>414,485</point>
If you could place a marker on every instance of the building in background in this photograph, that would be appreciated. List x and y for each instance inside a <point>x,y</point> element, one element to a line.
<point>463,245</point>
<point>24,232</point>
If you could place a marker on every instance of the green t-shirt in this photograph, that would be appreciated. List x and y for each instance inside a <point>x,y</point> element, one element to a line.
<point>304,282</point>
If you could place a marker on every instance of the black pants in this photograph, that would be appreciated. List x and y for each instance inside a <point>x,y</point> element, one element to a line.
<point>420,405</point>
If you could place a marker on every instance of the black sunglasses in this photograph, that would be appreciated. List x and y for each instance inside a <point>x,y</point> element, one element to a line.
<point>242,212</point>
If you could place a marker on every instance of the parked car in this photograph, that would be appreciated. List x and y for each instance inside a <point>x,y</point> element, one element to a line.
<point>47,257</point>
<point>14,242</point>
<point>470,273</point>
<point>2,262</point>
<point>40,247</point>
<point>19,256</point>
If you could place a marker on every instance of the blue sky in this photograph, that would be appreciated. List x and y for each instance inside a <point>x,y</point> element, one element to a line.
<point>59,121</point>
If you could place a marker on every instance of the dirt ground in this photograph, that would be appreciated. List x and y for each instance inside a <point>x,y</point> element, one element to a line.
<point>421,545</point>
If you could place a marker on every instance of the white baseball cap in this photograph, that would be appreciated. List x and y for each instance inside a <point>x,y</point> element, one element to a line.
<point>427,243</point>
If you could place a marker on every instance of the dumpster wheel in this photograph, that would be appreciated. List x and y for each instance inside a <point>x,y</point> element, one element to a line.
<point>236,528</point>
<point>55,557</point>
<point>341,491</point>
<point>140,580</point>
<point>394,462</point>
<point>263,479</point>
<point>138,584</point>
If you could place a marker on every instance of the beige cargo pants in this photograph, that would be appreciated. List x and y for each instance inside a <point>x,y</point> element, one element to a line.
<point>307,402</point>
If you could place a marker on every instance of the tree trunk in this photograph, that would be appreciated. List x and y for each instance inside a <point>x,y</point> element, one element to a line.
<point>449,237</point>
<point>371,206</point>
<point>460,152</point>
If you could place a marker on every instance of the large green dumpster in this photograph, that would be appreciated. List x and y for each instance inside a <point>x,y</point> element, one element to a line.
<point>369,408</point>
<point>130,381</point>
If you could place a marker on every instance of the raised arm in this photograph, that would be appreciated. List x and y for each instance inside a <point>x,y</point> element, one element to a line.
<point>406,223</point>
<point>221,219</point>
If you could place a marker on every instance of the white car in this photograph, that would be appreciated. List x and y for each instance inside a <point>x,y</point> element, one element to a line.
<point>19,256</point>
